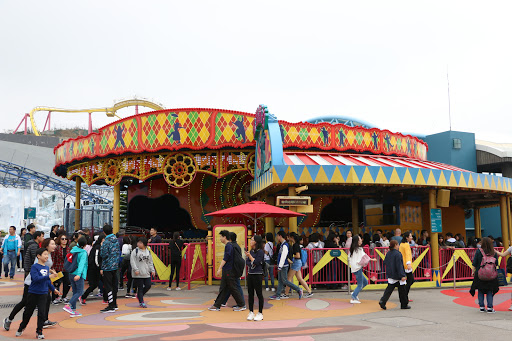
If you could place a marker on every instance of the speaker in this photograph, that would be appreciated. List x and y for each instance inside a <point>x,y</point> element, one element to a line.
<point>443,198</point>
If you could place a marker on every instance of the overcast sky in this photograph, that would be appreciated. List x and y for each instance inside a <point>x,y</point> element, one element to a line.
<point>383,62</point>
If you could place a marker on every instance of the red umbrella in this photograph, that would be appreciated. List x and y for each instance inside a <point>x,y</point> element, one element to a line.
<point>255,210</point>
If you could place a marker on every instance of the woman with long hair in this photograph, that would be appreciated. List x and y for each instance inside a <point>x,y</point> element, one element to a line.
<point>59,256</point>
<point>19,261</point>
<point>93,269</point>
<point>176,246</point>
<point>484,259</point>
<point>255,261</point>
<point>126,251</point>
<point>295,267</point>
<point>358,259</point>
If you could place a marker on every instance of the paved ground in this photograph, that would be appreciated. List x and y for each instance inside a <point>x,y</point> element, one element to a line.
<point>443,314</point>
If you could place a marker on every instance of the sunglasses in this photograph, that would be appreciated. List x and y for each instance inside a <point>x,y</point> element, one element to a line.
<point>63,239</point>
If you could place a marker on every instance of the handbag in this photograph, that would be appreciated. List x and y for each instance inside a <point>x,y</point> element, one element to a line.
<point>502,278</point>
<point>364,260</point>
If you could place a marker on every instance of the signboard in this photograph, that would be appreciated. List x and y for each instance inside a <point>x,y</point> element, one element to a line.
<point>30,213</point>
<point>305,209</point>
<point>436,220</point>
<point>218,247</point>
<point>293,201</point>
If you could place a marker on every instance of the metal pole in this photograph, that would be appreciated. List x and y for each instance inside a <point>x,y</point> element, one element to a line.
<point>454,273</point>
<point>348,269</point>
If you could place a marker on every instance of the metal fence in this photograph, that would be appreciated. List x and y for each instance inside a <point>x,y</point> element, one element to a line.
<point>461,270</point>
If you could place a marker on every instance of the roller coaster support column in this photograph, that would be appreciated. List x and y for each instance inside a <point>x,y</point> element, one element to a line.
<point>78,196</point>
<point>504,221</point>
<point>434,241</point>
<point>209,258</point>
<point>292,221</point>
<point>25,118</point>
<point>117,206</point>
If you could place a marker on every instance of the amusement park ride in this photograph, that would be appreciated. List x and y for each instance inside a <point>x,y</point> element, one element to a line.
<point>110,112</point>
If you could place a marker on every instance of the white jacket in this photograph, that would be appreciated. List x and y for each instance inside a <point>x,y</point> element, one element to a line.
<point>354,260</point>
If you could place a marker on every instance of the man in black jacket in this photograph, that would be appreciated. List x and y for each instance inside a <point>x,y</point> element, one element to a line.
<point>30,251</point>
<point>397,278</point>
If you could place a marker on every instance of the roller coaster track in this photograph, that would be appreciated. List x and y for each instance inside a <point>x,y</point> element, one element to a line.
<point>110,112</point>
<point>17,176</point>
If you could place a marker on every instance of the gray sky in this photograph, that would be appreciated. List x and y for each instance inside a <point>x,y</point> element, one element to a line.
<point>384,62</point>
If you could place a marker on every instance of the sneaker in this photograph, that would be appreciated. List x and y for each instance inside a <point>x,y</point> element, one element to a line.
<point>68,309</point>
<point>284,296</point>
<point>178,288</point>
<point>213,308</point>
<point>308,295</point>
<point>510,308</point>
<point>82,301</point>
<point>56,301</point>
<point>107,310</point>
<point>258,317</point>
<point>482,309</point>
<point>100,294</point>
<point>75,314</point>
<point>121,288</point>
<point>40,336</point>
<point>65,300</point>
<point>48,324</point>
<point>239,308</point>
<point>19,333</point>
<point>223,305</point>
<point>7,323</point>
<point>275,297</point>
<point>250,317</point>
<point>267,289</point>
<point>105,302</point>
<point>169,288</point>
<point>491,311</point>
<point>143,305</point>
<point>116,308</point>
<point>128,295</point>
<point>301,293</point>
<point>354,301</point>
<point>382,305</point>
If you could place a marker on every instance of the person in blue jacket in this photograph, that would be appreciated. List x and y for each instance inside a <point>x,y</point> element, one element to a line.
<point>77,277</point>
<point>11,247</point>
<point>110,253</point>
<point>38,293</point>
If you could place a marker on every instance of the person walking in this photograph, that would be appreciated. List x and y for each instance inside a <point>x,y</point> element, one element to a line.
<point>269,269</point>
<point>295,256</point>
<point>228,280</point>
<point>61,251</point>
<point>405,250</point>
<point>358,259</point>
<point>77,276</point>
<point>19,261</point>
<point>232,241</point>
<point>109,253</point>
<point>485,275</point>
<point>38,293</point>
<point>397,278</point>
<point>176,247</point>
<point>254,262</point>
<point>283,262</point>
<point>126,251</point>
<point>30,251</point>
<point>141,262</point>
<point>93,269</point>
<point>11,248</point>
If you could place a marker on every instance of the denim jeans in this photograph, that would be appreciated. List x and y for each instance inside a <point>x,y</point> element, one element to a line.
<point>481,299</point>
<point>9,258</point>
<point>282,280</point>
<point>78,290</point>
<point>270,273</point>
<point>239,288</point>
<point>361,283</point>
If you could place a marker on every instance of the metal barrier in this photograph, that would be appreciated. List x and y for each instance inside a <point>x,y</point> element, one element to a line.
<point>196,265</point>
<point>326,268</point>
<point>376,271</point>
<point>457,263</point>
<point>163,252</point>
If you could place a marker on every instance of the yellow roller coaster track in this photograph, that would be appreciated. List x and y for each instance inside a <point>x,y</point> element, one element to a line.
<point>110,112</point>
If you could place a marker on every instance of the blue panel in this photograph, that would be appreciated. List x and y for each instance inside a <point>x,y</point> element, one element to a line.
<point>425,173</point>
<point>414,173</point>
<point>344,170</point>
<point>387,172</point>
<point>447,174</point>
<point>329,171</point>
<point>374,171</point>
<point>466,176</point>
<point>276,144</point>
<point>313,170</point>
<point>437,174</point>
<point>475,177</point>
<point>456,174</point>
<point>401,172</point>
<point>297,171</point>
<point>281,171</point>
<point>359,171</point>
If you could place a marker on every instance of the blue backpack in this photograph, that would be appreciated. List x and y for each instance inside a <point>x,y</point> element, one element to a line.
<point>304,256</point>
<point>71,263</point>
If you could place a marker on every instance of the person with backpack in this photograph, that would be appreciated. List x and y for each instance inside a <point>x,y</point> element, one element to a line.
<point>298,257</point>
<point>142,269</point>
<point>283,263</point>
<point>485,275</point>
<point>255,261</point>
<point>175,246</point>
<point>358,259</point>
<point>230,272</point>
<point>93,269</point>
<point>232,240</point>
<point>38,290</point>
<point>270,261</point>
<point>77,270</point>
<point>109,253</point>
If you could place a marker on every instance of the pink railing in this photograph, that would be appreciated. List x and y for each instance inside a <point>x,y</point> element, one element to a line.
<point>164,254</point>
<point>461,268</point>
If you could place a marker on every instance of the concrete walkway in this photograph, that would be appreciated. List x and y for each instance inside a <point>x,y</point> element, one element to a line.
<point>182,315</point>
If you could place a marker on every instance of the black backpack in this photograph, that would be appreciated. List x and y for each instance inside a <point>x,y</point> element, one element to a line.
<point>71,262</point>
<point>509,265</point>
<point>238,263</point>
<point>273,259</point>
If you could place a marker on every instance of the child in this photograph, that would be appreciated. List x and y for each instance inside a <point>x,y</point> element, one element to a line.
<point>395,273</point>
<point>254,261</point>
<point>77,277</point>
<point>142,269</point>
<point>38,293</point>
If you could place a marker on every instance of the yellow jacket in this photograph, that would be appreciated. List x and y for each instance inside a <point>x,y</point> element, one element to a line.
<point>405,250</point>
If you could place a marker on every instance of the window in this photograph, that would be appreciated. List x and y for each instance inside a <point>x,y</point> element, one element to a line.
<point>457,143</point>
<point>380,213</point>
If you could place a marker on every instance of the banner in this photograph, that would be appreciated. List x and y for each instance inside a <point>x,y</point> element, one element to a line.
<point>218,247</point>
